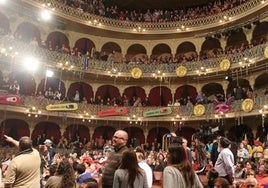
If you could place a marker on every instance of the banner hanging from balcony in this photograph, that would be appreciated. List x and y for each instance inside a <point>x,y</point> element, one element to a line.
<point>62,107</point>
<point>118,111</point>
<point>158,112</point>
<point>181,71</point>
<point>136,73</point>
<point>10,99</point>
<point>225,65</point>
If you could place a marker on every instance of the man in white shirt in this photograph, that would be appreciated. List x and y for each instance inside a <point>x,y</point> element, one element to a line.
<point>143,165</point>
<point>225,162</point>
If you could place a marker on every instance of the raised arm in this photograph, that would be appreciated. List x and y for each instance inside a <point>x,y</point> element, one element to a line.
<point>11,140</point>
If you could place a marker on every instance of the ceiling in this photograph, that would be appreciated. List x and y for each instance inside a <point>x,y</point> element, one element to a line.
<point>155,4</point>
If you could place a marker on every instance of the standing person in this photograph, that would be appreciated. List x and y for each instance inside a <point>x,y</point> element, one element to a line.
<point>63,178</point>
<point>129,174</point>
<point>24,169</point>
<point>143,165</point>
<point>225,162</point>
<point>187,150</point>
<point>215,152</point>
<point>179,173</point>
<point>119,142</point>
<point>51,152</point>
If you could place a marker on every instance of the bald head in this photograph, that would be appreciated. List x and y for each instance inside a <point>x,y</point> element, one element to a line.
<point>251,182</point>
<point>25,143</point>
<point>120,138</point>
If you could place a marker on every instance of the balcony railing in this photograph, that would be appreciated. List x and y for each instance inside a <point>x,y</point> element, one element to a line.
<point>179,113</point>
<point>208,22</point>
<point>53,58</point>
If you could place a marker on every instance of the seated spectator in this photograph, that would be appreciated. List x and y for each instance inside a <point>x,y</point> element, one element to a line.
<point>262,176</point>
<point>137,102</point>
<point>89,183</point>
<point>221,183</point>
<point>14,88</point>
<point>176,103</point>
<point>5,162</point>
<point>76,96</point>
<point>251,182</point>
<point>5,83</point>
<point>64,176</point>
<point>81,174</point>
<point>57,95</point>
<point>49,94</point>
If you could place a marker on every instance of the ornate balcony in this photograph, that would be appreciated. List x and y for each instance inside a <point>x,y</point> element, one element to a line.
<point>206,23</point>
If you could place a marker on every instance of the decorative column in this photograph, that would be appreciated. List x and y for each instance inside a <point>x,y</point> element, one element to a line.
<point>225,87</point>
<point>62,129</point>
<point>91,132</point>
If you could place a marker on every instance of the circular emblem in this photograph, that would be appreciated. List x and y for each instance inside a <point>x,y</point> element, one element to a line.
<point>266,52</point>
<point>136,72</point>
<point>225,65</point>
<point>247,105</point>
<point>199,110</point>
<point>181,71</point>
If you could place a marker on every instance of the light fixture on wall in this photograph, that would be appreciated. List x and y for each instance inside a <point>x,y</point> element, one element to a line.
<point>202,70</point>
<point>65,66</point>
<point>182,28</point>
<point>33,111</point>
<point>139,29</point>
<point>94,22</point>
<point>229,78</point>
<point>225,19</point>
<point>86,116</point>
<point>134,119</point>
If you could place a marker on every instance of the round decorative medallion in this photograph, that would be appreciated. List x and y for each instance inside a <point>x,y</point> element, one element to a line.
<point>225,65</point>
<point>247,105</point>
<point>199,110</point>
<point>266,52</point>
<point>181,71</point>
<point>136,72</point>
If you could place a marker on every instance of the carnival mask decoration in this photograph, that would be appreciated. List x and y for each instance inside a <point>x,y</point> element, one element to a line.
<point>223,107</point>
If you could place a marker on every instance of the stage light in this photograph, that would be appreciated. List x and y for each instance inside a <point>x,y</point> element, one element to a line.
<point>228,78</point>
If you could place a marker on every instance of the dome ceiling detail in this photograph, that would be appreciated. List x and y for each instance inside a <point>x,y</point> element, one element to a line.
<point>156,4</point>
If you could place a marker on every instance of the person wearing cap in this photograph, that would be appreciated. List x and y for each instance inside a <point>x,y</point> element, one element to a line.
<point>51,151</point>
<point>225,162</point>
<point>24,169</point>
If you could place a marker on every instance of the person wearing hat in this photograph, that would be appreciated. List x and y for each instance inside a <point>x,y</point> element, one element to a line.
<point>51,152</point>
<point>257,151</point>
<point>225,162</point>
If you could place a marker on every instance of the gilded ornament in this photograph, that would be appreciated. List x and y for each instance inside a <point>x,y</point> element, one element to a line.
<point>225,65</point>
<point>181,71</point>
<point>199,110</point>
<point>247,105</point>
<point>266,52</point>
<point>136,72</point>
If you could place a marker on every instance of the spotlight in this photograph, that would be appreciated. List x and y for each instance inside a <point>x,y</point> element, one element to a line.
<point>228,78</point>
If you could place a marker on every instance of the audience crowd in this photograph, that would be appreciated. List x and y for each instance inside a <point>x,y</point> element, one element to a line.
<point>96,163</point>
<point>102,8</point>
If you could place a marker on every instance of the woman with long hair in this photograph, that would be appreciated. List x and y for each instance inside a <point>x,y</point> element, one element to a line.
<point>129,174</point>
<point>179,173</point>
<point>64,176</point>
